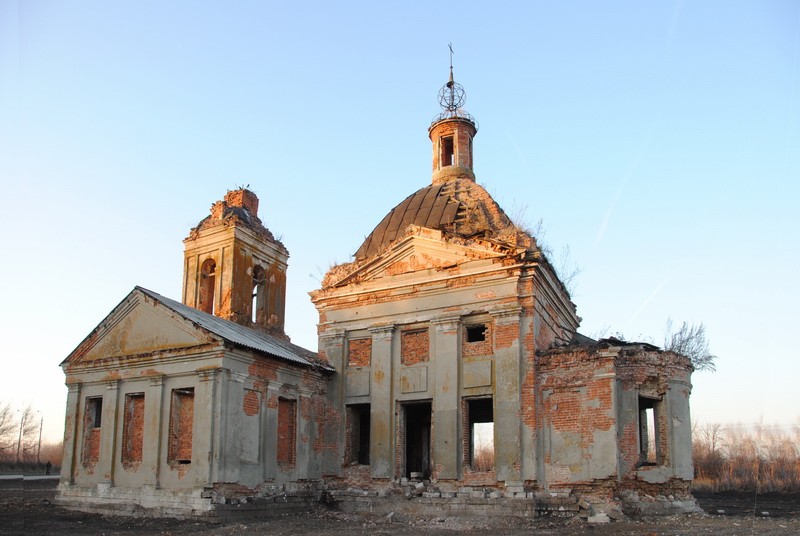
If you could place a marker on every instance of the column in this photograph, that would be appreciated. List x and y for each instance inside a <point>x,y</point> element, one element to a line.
<point>446,401</point>
<point>679,428</point>
<point>108,433</point>
<point>153,431</point>
<point>71,433</point>
<point>381,432</point>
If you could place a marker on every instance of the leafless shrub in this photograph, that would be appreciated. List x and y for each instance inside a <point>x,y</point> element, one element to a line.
<point>563,263</point>
<point>764,458</point>
<point>690,340</point>
<point>483,459</point>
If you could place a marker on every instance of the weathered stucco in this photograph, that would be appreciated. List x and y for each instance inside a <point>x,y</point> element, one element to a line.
<point>449,320</point>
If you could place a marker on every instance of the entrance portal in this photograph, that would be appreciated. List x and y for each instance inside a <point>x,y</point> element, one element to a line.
<point>418,438</point>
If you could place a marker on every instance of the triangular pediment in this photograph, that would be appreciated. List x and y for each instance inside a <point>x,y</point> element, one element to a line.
<point>139,325</point>
<point>422,250</point>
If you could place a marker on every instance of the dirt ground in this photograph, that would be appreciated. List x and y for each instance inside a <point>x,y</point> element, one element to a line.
<point>30,512</point>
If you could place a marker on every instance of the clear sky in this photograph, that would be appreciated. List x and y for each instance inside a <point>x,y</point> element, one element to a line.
<point>659,140</point>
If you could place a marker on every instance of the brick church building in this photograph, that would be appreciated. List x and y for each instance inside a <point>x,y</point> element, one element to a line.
<point>449,374</point>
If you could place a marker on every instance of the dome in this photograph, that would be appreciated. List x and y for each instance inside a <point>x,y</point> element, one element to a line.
<point>459,207</point>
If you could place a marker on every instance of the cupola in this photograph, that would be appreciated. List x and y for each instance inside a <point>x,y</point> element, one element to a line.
<point>451,133</point>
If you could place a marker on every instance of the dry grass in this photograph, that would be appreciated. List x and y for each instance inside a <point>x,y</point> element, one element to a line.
<point>764,458</point>
<point>483,460</point>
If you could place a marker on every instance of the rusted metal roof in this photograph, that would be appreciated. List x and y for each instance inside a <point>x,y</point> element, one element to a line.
<point>241,335</point>
<point>459,206</point>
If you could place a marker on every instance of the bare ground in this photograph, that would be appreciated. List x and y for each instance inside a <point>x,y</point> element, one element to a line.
<point>30,512</point>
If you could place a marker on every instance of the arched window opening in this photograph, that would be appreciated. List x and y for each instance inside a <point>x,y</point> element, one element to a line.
<point>258,302</point>
<point>207,280</point>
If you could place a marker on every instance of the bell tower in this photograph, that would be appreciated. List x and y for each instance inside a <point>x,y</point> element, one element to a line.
<point>234,267</point>
<point>451,133</point>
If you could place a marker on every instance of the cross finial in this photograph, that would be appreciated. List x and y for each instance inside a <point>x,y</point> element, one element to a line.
<point>450,46</point>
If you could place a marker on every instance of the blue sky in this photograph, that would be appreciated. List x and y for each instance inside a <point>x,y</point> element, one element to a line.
<point>658,140</point>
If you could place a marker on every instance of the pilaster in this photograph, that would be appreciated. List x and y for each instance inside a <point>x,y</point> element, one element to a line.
<point>108,433</point>
<point>331,343</point>
<point>381,402</point>
<point>71,433</point>
<point>153,431</point>
<point>446,442</point>
<point>203,435</point>
<point>507,401</point>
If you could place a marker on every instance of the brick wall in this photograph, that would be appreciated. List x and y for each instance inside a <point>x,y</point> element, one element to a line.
<point>251,403</point>
<point>577,389</point>
<point>287,431</point>
<point>359,352</point>
<point>91,447</point>
<point>132,430</point>
<point>478,348</point>
<point>181,417</point>
<point>414,346</point>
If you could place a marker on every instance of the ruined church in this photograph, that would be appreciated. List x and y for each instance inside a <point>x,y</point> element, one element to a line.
<point>449,377</point>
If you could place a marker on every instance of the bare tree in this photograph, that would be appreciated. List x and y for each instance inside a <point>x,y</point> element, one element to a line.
<point>28,426</point>
<point>8,426</point>
<point>690,340</point>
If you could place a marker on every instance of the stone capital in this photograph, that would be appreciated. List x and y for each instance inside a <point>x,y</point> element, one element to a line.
<point>207,375</point>
<point>112,385</point>
<point>446,323</point>
<point>332,336</point>
<point>157,381</point>
<point>382,331</point>
<point>507,314</point>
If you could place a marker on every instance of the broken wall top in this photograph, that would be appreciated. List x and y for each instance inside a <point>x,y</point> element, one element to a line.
<point>239,208</point>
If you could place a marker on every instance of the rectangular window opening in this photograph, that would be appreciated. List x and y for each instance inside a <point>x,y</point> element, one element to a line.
<point>480,419</point>
<point>359,433</point>
<point>448,151</point>
<point>181,421</point>
<point>476,333</point>
<point>648,431</point>
<point>94,411</point>
<point>417,417</point>
<point>93,414</point>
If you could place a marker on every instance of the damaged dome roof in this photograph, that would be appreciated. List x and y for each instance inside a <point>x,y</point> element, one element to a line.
<point>458,206</point>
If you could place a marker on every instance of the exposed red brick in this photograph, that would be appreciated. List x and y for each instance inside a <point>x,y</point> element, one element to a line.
<point>359,352</point>
<point>479,348</point>
<point>414,346</point>
<point>287,432</point>
<point>252,403</point>
<point>181,421</point>
<point>133,430</point>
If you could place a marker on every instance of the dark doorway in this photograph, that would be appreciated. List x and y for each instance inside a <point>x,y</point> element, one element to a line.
<point>418,438</point>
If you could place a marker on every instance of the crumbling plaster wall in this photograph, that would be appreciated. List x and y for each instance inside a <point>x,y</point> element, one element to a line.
<point>233,440</point>
<point>590,417</point>
<point>666,376</point>
<point>497,293</point>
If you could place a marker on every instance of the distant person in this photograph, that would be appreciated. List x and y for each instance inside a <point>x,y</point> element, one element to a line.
<point>48,467</point>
